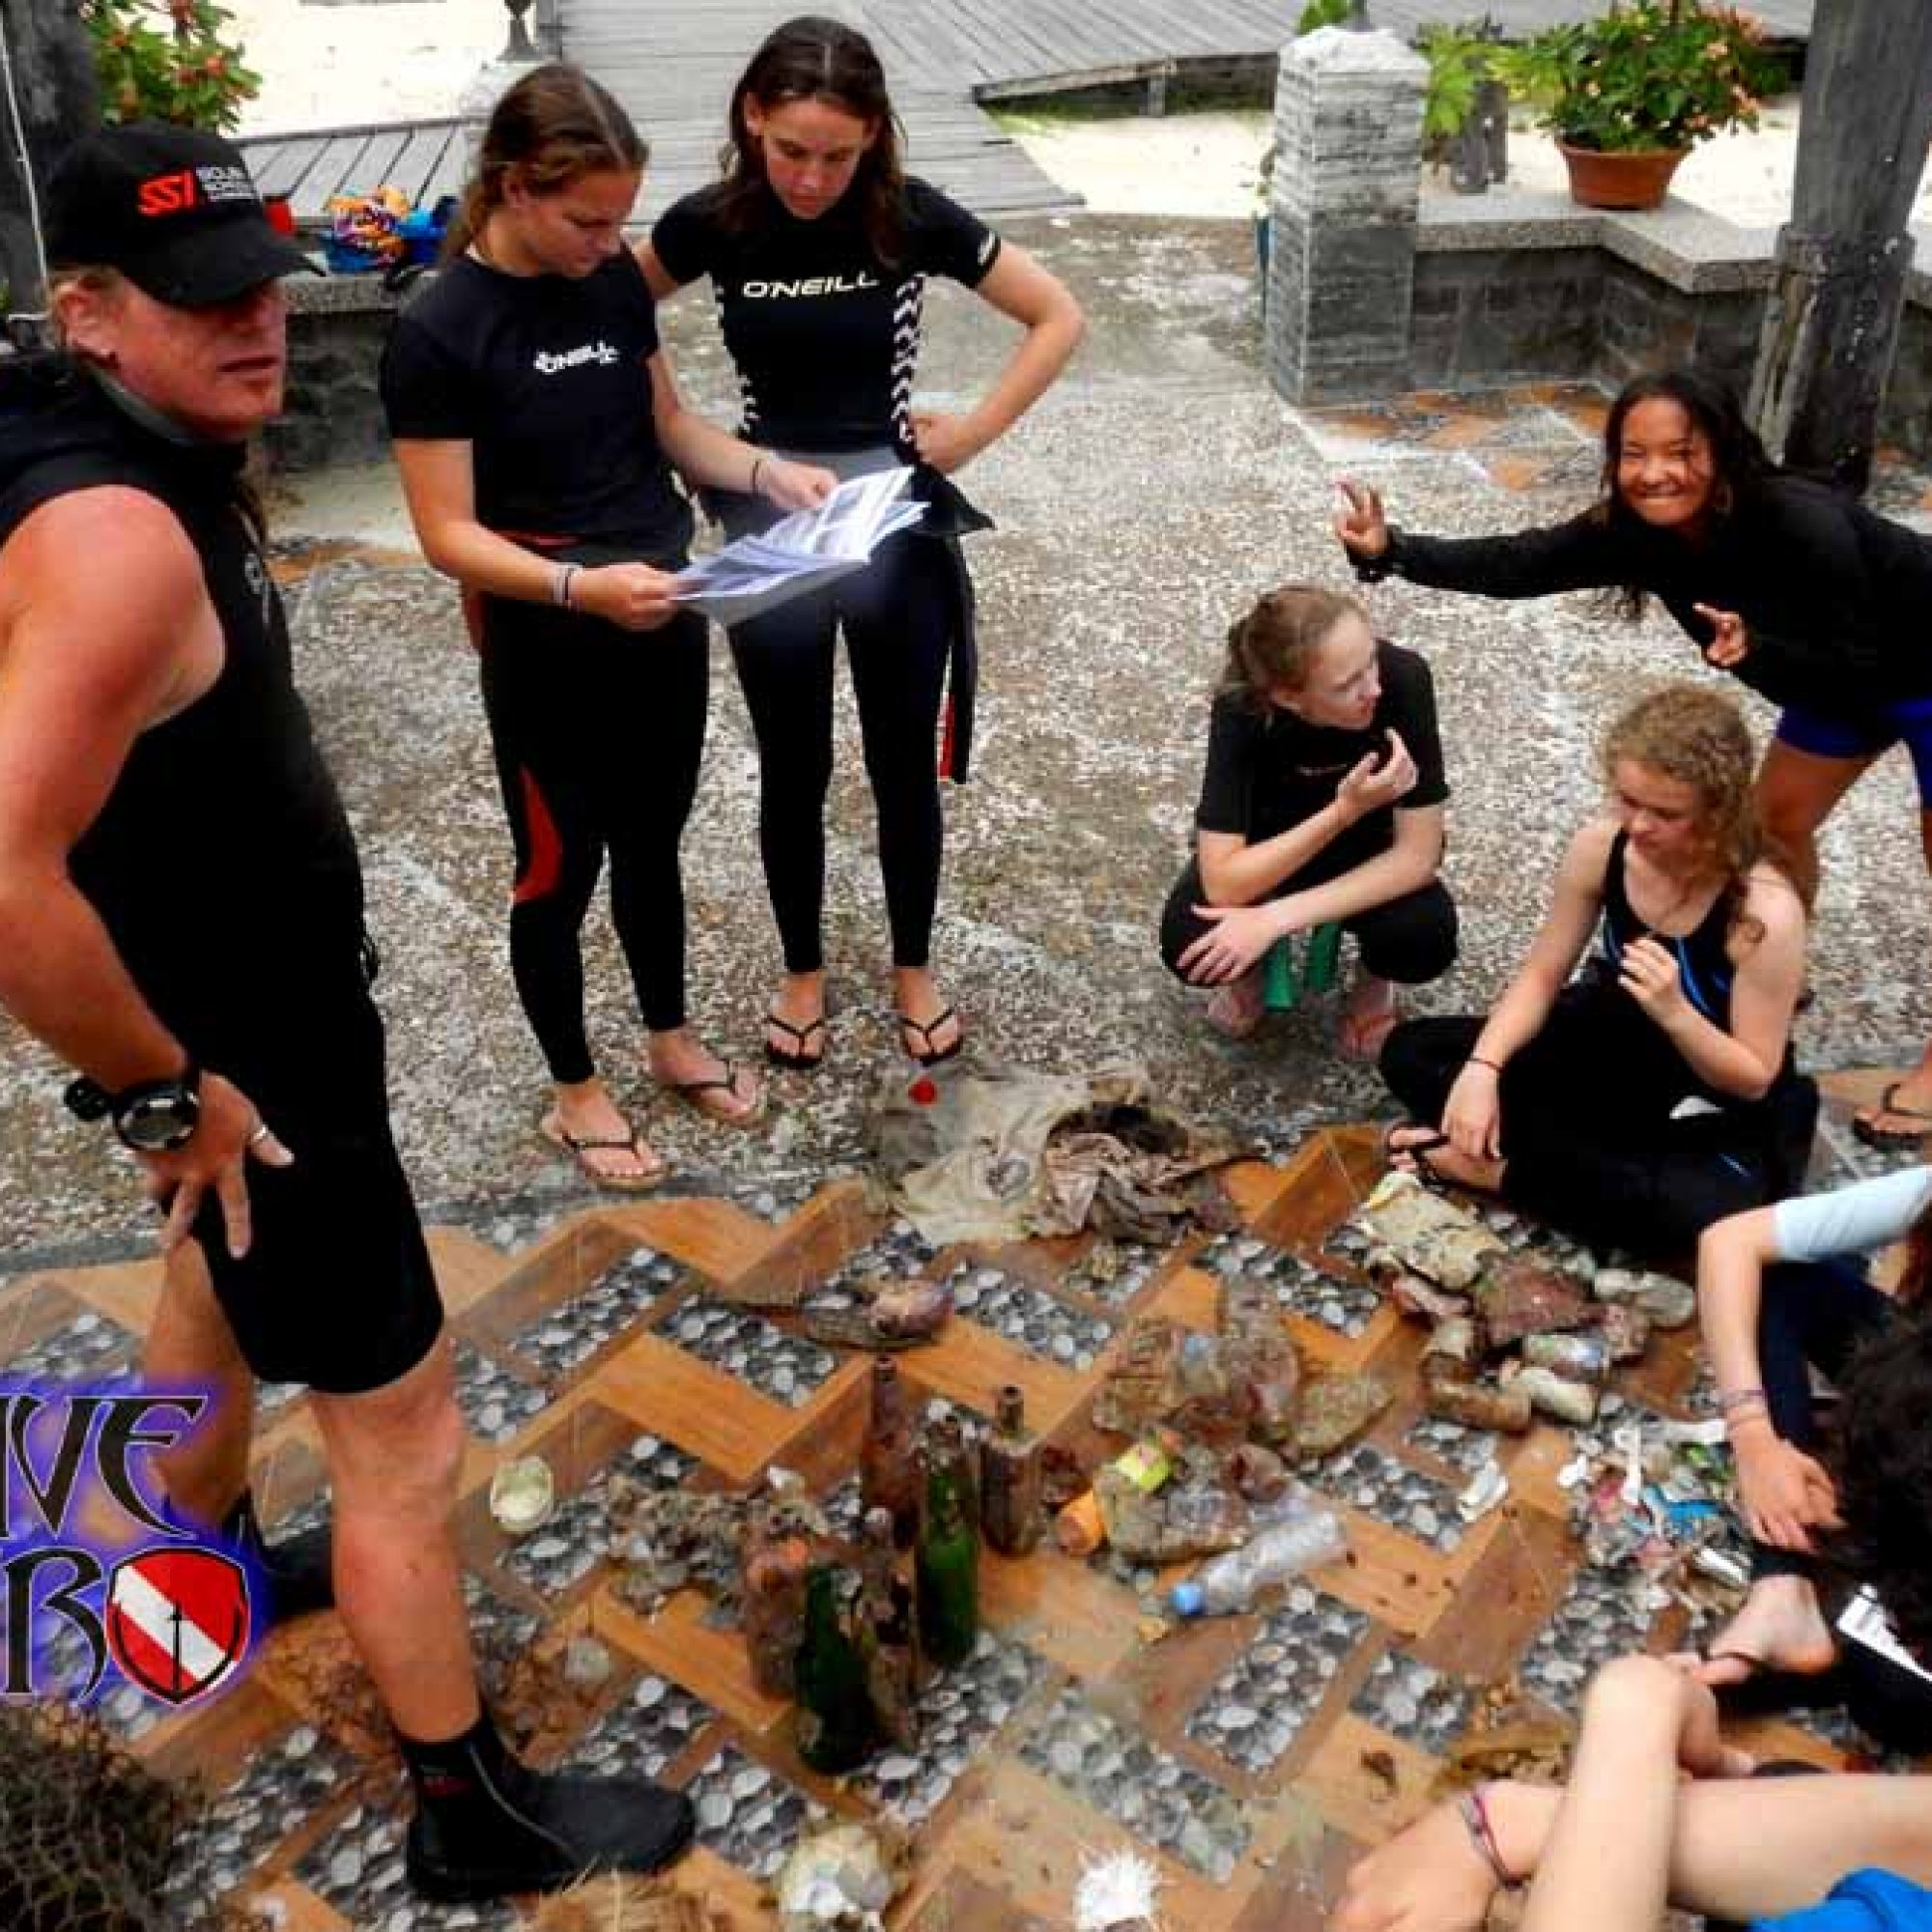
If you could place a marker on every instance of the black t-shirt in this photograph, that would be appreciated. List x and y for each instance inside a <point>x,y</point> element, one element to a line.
<point>823,333</point>
<point>1270,770</point>
<point>545,377</point>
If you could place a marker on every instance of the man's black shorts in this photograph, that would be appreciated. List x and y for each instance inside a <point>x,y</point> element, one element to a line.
<point>336,1289</point>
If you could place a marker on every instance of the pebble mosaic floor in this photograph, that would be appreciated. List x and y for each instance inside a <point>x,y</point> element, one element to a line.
<point>1246,1755</point>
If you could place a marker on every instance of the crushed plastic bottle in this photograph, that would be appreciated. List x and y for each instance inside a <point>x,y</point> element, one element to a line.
<point>1285,1550</point>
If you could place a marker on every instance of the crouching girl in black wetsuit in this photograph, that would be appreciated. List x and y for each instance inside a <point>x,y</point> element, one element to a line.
<point>536,423</point>
<point>1809,598</point>
<point>1656,1093</point>
<point>1322,803</point>
<point>818,249</point>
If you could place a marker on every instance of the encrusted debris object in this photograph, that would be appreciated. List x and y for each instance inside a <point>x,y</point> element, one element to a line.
<point>1423,1234</point>
<point>841,1880</point>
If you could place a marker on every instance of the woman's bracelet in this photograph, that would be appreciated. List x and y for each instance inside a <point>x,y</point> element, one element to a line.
<point>1475,1806</point>
<point>758,465</point>
<point>1477,1060</point>
<point>1732,1399</point>
<point>560,585</point>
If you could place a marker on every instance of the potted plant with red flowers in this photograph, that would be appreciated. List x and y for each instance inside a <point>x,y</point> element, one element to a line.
<point>1628,94</point>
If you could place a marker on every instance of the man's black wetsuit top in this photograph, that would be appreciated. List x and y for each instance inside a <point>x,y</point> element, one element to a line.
<point>224,871</point>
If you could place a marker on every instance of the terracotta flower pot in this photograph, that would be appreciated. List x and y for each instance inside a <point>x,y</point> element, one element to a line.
<point>1635,179</point>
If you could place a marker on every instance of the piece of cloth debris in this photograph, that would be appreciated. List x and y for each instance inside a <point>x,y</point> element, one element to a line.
<point>978,1151</point>
<point>1424,1234</point>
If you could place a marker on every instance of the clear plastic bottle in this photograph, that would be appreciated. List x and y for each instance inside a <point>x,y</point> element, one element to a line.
<point>1277,1554</point>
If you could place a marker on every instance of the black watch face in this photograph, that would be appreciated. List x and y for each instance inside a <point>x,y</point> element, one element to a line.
<point>160,1122</point>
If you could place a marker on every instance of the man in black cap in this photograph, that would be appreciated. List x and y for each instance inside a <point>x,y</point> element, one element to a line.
<point>181,918</point>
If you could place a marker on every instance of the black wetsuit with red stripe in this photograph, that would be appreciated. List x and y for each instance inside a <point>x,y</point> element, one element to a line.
<point>598,731</point>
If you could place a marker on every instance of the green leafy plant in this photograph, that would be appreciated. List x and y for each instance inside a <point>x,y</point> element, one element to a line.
<point>1646,75</point>
<point>1461,59</point>
<point>167,60</point>
<point>1321,13</point>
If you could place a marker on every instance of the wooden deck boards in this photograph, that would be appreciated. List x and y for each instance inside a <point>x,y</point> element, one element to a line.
<point>1076,1723</point>
<point>672,67</point>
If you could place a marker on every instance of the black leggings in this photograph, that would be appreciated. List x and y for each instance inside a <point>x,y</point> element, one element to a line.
<point>598,734</point>
<point>1411,940</point>
<point>1584,1150</point>
<point>897,616</point>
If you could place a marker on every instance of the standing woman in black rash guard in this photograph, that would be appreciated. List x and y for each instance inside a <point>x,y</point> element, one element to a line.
<point>1815,602</point>
<point>536,423</point>
<point>818,248</point>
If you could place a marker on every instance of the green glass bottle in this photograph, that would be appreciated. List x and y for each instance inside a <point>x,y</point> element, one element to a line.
<point>947,1571</point>
<point>836,1726</point>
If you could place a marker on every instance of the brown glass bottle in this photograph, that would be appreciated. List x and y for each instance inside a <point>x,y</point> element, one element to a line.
<point>889,1464</point>
<point>770,1601</point>
<point>887,1639</point>
<point>1010,1479</point>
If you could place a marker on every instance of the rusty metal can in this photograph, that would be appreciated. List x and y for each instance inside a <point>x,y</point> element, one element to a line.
<point>1479,1405</point>
<point>1583,1357</point>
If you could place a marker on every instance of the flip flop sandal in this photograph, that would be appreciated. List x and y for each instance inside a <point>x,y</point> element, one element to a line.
<point>1417,1151</point>
<point>925,1029</point>
<point>794,1058</point>
<point>1888,1139</point>
<point>655,1171</point>
<point>713,1097</point>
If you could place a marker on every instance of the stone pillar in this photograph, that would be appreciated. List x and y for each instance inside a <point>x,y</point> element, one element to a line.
<point>1347,165</point>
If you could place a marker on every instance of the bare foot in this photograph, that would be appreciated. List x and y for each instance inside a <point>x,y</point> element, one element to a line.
<point>588,1124</point>
<point>683,1065</point>
<point>1424,1152</point>
<point>1235,1010</point>
<point>1779,1626</point>
<point>1368,1019</point>
<point>1428,1878</point>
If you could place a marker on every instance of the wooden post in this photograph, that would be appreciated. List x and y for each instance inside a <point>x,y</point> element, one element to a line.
<point>1831,326</point>
<point>52,71</point>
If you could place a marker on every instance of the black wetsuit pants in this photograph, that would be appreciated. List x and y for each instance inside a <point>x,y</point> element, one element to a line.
<point>897,616</point>
<point>598,734</point>
<point>1410,940</point>
<point>1587,1149</point>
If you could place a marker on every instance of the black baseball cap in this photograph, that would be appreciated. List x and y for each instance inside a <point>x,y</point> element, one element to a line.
<point>175,210</point>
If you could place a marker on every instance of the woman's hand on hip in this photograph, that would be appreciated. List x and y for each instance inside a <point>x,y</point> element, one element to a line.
<point>633,596</point>
<point>944,444</point>
<point>1359,521</point>
<point>1237,936</point>
<point>794,486</point>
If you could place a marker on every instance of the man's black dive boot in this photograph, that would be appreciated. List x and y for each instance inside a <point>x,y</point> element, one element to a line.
<point>487,1826</point>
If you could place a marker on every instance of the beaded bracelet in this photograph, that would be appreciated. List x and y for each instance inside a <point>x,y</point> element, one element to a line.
<point>1475,1814</point>
<point>1736,1399</point>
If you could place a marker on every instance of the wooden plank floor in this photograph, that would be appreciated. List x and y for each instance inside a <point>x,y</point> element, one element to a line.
<point>1248,1757</point>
